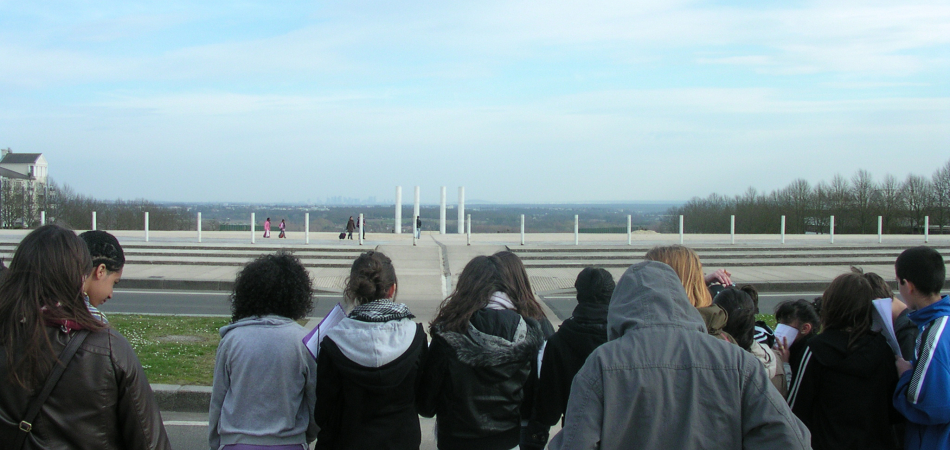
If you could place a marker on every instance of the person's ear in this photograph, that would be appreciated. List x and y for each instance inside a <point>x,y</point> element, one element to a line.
<point>100,272</point>
<point>806,328</point>
<point>392,291</point>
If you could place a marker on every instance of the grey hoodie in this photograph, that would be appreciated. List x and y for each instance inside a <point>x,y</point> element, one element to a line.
<point>661,382</point>
<point>264,385</point>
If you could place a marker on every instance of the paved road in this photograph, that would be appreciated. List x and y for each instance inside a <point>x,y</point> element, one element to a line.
<point>192,303</point>
<point>563,304</point>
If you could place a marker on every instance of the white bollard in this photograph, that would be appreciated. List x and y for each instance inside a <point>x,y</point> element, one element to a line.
<point>629,229</point>
<point>306,228</point>
<point>442,211</point>
<point>461,209</point>
<point>681,230</point>
<point>732,228</point>
<point>880,229</point>
<point>363,227</point>
<point>252,228</point>
<point>831,229</point>
<point>522,229</point>
<point>926,229</point>
<point>199,227</point>
<point>146,226</point>
<point>42,218</point>
<point>398,227</point>
<point>469,235</point>
<point>94,220</point>
<point>783,229</point>
<point>576,229</point>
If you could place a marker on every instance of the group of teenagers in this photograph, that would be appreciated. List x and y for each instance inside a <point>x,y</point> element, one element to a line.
<point>665,357</point>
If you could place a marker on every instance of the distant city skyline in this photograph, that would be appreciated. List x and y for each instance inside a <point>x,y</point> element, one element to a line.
<point>520,102</point>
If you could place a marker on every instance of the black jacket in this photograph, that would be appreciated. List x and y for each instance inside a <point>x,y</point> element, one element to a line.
<point>475,381</point>
<point>103,401</point>
<point>564,355</point>
<point>843,395</point>
<point>362,405</point>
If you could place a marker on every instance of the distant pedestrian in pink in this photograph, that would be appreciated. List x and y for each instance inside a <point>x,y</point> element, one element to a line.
<point>267,228</point>
<point>282,227</point>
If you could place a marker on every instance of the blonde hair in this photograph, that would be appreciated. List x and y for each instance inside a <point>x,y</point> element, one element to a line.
<point>685,262</point>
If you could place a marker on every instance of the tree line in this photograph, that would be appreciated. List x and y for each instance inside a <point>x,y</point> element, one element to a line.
<point>854,202</point>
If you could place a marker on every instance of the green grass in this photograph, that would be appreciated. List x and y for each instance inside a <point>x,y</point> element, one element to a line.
<point>172,362</point>
<point>768,318</point>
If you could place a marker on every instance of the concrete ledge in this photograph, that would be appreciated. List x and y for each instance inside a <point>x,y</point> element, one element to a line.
<point>176,285</point>
<point>173,397</point>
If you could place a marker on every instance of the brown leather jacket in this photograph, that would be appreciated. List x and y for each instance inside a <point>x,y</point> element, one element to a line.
<point>103,400</point>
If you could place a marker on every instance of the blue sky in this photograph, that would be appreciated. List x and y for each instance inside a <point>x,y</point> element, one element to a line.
<point>519,101</point>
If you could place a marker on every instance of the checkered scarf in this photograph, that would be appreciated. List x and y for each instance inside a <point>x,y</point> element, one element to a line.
<point>381,311</point>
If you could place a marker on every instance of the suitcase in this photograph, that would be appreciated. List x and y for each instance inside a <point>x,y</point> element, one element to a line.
<point>343,235</point>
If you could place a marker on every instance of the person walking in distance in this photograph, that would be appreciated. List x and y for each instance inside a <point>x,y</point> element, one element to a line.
<point>267,228</point>
<point>283,227</point>
<point>418,227</point>
<point>350,226</point>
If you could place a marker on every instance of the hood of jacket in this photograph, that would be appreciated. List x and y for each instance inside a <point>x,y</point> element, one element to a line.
<point>272,320</point>
<point>650,294</point>
<point>830,349</point>
<point>373,344</point>
<point>479,348</point>
<point>928,313</point>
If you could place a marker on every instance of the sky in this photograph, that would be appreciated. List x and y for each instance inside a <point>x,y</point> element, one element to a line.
<point>518,101</point>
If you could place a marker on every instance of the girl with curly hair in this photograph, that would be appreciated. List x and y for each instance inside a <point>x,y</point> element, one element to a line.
<point>264,389</point>
<point>369,366</point>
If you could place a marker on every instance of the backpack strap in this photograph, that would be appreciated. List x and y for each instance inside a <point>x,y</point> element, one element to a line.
<point>26,425</point>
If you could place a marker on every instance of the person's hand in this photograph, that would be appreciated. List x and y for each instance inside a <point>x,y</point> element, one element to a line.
<point>902,365</point>
<point>721,276</point>
<point>782,349</point>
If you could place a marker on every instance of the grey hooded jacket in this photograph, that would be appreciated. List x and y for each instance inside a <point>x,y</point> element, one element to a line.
<point>661,382</point>
<point>264,385</point>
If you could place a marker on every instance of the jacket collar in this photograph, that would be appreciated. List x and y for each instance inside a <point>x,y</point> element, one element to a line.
<point>927,314</point>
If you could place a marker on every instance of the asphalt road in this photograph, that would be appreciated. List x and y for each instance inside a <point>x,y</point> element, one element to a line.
<point>563,304</point>
<point>191,303</point>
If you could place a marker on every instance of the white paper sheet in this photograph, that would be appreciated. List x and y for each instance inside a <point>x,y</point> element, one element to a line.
<point>785,331</point>
<point>883,321</point>
<point>313,339</point>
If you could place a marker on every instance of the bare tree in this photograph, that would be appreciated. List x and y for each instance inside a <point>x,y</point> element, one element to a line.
<point>862,191</point>
<point>941,195</point>
<point>916,193</point>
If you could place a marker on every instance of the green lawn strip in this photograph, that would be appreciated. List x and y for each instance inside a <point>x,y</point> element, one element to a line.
<point>173,349</point>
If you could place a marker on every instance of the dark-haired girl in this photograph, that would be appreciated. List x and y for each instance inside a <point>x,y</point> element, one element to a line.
<point>369,366</point>
<point>801,315</point>
<point>481,355</point>
<point>103,399</point>
<point>264,389</point>
<point>739,306</point>
<point>843,387</point>
<point>108,260</point>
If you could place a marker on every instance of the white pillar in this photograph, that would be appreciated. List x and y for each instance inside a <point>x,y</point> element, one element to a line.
<point>42,218</point>
<point>681,230</point>
<point>831,229</point>
<point>415,205</point>
<point>576,230</point>
<point>93,220</point>
<point>199,226</point>
<point>461,209</point>
<point>442,211</point>
<point>306,228</point>
<point>629,229</point>
<point>398,227</point>
<point>732,228</point>
<point>783,229</point>
<point>469,235</point>
<point>252,228</point>
<point>362,227</point>
<point>522,229</point>
<point>926,229</point>
<point>146,226</point>
<point>880,229</point>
